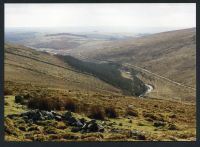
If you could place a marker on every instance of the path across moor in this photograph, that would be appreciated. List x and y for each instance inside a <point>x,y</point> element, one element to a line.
<point>143,70</point>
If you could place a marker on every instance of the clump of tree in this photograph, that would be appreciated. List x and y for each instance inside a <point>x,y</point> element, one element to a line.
<point>109,73</point>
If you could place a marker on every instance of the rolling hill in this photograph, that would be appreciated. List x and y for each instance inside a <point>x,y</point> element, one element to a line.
<point>171,54</point>
<point>24,66</point>
<point>165,60</point>
<point>96,98</point>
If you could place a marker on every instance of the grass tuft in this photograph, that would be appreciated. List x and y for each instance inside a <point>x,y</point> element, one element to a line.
<point>110,112</point>
<point>70,105</point>
<point>131,112</point>
<point>96,113</point>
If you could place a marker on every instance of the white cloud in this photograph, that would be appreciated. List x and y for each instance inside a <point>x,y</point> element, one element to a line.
<point>150,15</point>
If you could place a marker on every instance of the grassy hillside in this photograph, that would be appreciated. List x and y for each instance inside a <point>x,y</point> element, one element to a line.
<point>60,98</point>
<point>168,54</point>
<point>171,54</point>
<point>109,73</point>
<point>24,65</point>
<point>123,118</point>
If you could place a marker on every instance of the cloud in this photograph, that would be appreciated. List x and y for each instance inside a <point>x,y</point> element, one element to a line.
<point>174,15</point>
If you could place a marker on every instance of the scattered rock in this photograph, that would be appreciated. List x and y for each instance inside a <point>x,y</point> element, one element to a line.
<point>78,123</point>
<point>76,129</point>
<point>67,115</point>
<point>34,116</point>
<point>70,119</point>
<point>58,118</point>
<point>91,126</point>
<point>19,99</point>
<point>82,120</point>
<point>139,135</point>
<point>172,127</point>
<point>159,124</point>
<point>11,116</point>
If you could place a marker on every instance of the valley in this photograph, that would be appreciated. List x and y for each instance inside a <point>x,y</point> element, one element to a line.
<point>100,87</point>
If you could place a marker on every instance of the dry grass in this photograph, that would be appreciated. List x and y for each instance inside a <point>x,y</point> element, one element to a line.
<point>44,103</point>
<point>172,113</point>
<point>23,66</point>
<point>70,105</point>
<point>131,112</point>
<point>96,112</point>
<point>7,92</point>
<point>87,97</point>
<point>110,112</point>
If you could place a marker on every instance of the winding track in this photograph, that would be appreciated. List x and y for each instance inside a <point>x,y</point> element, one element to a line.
<point>144,70</point>
<point>159,76</point>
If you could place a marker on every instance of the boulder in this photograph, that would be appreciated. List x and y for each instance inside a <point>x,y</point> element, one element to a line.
<point>100,128</point>
<point>76,129</point>
<point>19,99</point>
<point>82,120</point>
<point>78,123</point>
<point>92,126</point>
<point>49,115</point>
<point>36,115</point>
<point>67,115</point>
<point>58,118</point>
<point>72,121</point>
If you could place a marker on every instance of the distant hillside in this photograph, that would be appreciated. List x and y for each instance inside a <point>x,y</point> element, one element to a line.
<point>24,65</point>
<point>170,54</point>
<point>109,73</point>
<point>64,34</point>
<point>65,71</point>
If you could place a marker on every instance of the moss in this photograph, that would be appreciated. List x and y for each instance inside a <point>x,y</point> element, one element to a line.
<point>50,130</point>
<point>61,125</point>
<point>33,128</point>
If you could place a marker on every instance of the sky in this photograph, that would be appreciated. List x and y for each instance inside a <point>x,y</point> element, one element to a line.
<point>113,17</point>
